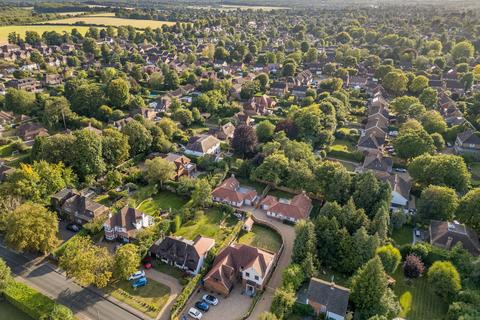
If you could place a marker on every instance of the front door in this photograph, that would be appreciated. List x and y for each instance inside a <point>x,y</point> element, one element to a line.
<point>250,290</point>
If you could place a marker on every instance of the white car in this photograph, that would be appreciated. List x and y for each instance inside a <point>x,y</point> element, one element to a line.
<point>208,298</point>
<point>137,275</point>
<point>194,313</point>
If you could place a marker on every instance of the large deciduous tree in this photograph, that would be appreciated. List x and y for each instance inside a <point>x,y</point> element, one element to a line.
<point>444,278</point>
<point>115,147</point>
<point>118,92</point>
<point>469,209</point>
<point>159,170</point>
<point>244,140</point>
<point>126,261</point>
<point>31,227</point>
<point>437,202</point>
<point>139,138</point>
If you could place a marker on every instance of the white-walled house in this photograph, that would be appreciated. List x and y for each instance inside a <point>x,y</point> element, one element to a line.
<point>126,223</point>
<point>202,145</point>
<point>230,192</point>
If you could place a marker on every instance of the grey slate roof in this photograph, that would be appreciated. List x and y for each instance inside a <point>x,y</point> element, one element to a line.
<point>332,296</point>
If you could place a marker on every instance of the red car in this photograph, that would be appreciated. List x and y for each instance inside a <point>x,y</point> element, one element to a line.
<point>147,262</point>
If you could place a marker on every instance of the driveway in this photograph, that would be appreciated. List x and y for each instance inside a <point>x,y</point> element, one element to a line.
<point>175,290</point>
<point>231,308</point>
<point>288,235</point>
<point>86,303</point>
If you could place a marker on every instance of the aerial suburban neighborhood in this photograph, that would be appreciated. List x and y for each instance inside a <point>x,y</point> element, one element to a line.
<point>240,160</point>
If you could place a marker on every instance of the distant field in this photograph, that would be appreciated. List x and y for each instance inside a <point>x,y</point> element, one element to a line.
<point>4,31</point>
<point>227,7</point>
<point>108,19</point>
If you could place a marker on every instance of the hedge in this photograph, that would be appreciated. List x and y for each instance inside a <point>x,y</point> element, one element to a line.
<point>185,295</point>
<point>30,301</point>
<point>350,156</point>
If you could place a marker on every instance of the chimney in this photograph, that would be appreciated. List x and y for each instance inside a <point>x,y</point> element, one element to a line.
<point>449,242</point>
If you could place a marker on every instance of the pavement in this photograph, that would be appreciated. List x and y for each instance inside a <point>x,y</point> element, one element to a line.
<point>288,235</point>
<point>86,303</point>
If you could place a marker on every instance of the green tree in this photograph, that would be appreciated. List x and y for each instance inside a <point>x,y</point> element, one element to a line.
<point>115,147</point>
<point>438,203</point>
<point>419,83</point>
<point>5,275</point>
<point>267,316</point>
<point>333,180</point>
<point>159,170</point>
<point>395,82</point>
<point>462,51</point>
<point>390,257</point>
<point>172,81</point>
<point>265,130</point>
<point>263,80</point>
<point>59,312</point>
<point>86,99</point>
<point>411,143</point>
<point>293,276</point>
<point>273,169</point>
<point>87,154</point>
<point>139,138</point>
<point>444,279</point>
<point>118,92</point>
<point>244,140</point>
<point>283,301</point>
<point>201,195</point>
<point>429,97</point>
<point>31,227</point>
<point>368,192</point>
<point>305,241</point>
<point>289,70</point>
<point>469,209</point>
<point>184,116</point>
<point>433,122</point>
<point>370,291</point>
<point>126,261</point>
<point>442,169</point>
<point>56,110</point>
<point>19,101</point>
<point>86,262</point>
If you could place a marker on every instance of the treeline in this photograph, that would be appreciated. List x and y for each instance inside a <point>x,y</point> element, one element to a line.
<point>53,7</point>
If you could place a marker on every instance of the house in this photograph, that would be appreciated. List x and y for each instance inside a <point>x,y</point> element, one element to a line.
<point>400,190</point>
<point>202,145</point>
<point>29,131</point>
<point>299,92</point>
<point>279,89</point>
<point>447,234</point>
<point>183,165</point>
<point>239,262</point>
<point>184,254</point>
<point>293,210</point>
<point>52,80</point>
<point>27,84</point>
<point>328,298</point>
<point>259,105</point>
<point>468,142</point>
<point>225,132</point>
<point>372,140</point>
<point>125,224</point>
<point>377,162</point>
<point>242,118</point>
<point>77,207</point>
<point>232,193</point>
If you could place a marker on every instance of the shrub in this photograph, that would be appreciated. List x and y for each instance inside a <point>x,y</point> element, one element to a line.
<point>445,279</point>
<point>390,257</point>
<point>413,266</point>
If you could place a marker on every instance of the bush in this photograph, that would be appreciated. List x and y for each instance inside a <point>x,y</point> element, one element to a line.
<point>304,310</point>
<point>445,279</point>
<point>413,266</point>
<point>30,301</point>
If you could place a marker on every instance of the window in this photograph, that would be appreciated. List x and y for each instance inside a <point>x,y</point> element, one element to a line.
<point>257,278</point>
<point>247,274</point>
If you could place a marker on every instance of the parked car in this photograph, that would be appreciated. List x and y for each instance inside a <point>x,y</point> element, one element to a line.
<point>202,305</point>
<point>194,313</point>
<point>140,283</point>
<point>400,169</point>
<point>137,275</point>
<point>147,262</point>
<point>208,298</point>
<point>73,227</point>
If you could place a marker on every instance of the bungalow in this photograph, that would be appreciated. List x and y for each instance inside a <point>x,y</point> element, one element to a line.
<point>468,142</point>
<point>184,254</point>
<point>225,132</point>
<point>183,165</point>
<point>279,89</point>
<point>239,262</point>
<point>328,298</point>
<point>447,234</point>
<point>377,162</point>
<point>232,193</point>
<point>400,190</point>
<point>125,224</point>
<point>293,210</point>
<point>202,145</point>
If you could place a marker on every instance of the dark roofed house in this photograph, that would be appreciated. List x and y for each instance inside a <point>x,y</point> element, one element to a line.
<point>78,207</point>
<point>279,89</point>
<point>328,298</point>
<point>125,224</point>
<point>225,132</point>
<point>468,142</point>
<point>447,234</point>
<point>400,190</point>
<point>299,92</point>
<point>239,262</point>
<point>187,255</point>
<point>183,165</point>
<point>29,131</point>
<point>377,162</point>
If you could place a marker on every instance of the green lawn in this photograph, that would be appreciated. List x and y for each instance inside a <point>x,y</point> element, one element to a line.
<point>338,278</point>
<point>163,200</point>
<point>167,269</point>
<point>258,186</point>
<point>342,145</point>
<point>261,237</point>
<point>8,311</point>
<point>213,224</point>
<point>149,299</point>
<point>403,236</point>
<point>281,194</point>
<point>417,299</point>
<point>475,173</point>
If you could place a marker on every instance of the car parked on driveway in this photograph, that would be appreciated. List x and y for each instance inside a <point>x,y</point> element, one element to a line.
<point>202,305</point>
<point>137,275</point>
<point>147,262</point>
<point>208,298</point>
<point>194,313</point>
<point>73,227</point>
<point>140,282</point>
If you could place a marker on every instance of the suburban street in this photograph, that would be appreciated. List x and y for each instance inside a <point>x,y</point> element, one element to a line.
<point>85,303</point>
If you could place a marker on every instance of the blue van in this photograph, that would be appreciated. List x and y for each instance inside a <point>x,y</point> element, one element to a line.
<point>140,283</point>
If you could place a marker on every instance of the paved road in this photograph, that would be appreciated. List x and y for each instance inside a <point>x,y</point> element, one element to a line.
<point>84,303</point>
<point>288,235</point>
